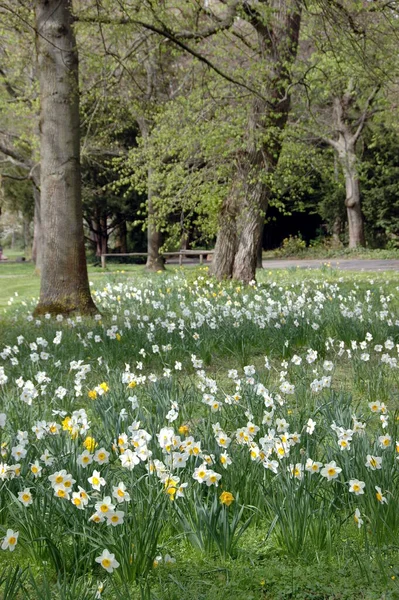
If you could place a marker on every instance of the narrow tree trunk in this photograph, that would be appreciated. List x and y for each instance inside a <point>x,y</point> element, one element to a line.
<point>259,254</point>
<point>345,146</point>
<point>347,157</point>
<point>122,237</point>
<point>155,261</point>
<point>154,237</point>
<point>103,235</point>
<point>352,203</point>
<point>64,281</point>
<point>336,230</point>
<point>37,245</point>
<point>26,234</point>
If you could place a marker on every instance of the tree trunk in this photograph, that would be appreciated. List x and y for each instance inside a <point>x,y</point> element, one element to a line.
<point>252,213</point>
<point>226,242</point>
<point>259,254</point>
<point>345,146</point>
<point>336,231</point>
<point>37,245</point>
<point>103,235</point>
<point>26,234</point>
<point>64,281</point>
<point>352,203</point>
<point>155,261</point>
<point>122,237</point>
<point>245,259</point>
<point>154,237</point>
<point>347,156</point>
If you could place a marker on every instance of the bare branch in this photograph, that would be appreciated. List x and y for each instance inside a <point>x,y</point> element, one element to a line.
<point>331,142</point>
<point>13,157</point>
<point>365,114</point>
<point>15,177</point>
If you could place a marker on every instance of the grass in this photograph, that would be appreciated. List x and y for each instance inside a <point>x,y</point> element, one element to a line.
<point>20,283</point>
<point>162,353</point>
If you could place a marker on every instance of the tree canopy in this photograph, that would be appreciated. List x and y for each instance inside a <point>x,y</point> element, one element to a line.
<point>195,117</point>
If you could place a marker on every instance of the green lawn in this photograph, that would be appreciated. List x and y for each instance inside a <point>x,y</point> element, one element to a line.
<point>20,281</point>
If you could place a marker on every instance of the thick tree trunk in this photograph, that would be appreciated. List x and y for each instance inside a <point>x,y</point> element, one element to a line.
<point>64,281</point>
<point>252,213</point>
<point>226,242</point>
<point>246,256</point>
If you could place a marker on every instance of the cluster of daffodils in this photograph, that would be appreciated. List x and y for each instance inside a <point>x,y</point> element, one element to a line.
<point>85,430</point>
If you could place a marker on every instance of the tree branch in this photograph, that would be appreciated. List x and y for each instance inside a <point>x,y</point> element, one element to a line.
<point>12,92</point>
<point>178,42</point>
<point>12,154</point>
<point>331,142</point>
<point>366,114</point>
<point>222,23</point>
<point>15,177</point>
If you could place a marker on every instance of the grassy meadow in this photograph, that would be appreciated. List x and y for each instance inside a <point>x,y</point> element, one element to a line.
<point>201,440</point>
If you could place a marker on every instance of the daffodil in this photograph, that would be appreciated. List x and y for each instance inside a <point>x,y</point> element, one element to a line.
<point>10,540</point>
<point>226,498</point>
<point>107,561</point>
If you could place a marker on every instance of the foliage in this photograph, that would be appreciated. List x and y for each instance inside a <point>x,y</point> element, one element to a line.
<point>380,170</point>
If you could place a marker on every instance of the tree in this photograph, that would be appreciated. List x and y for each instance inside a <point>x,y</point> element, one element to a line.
<point>380,183</point>
<point>270,30</point>
<point>348,76</point>
<point>18,116</point>
<point>276,26</point>
<point>64,282</point>
<point>345,146</point>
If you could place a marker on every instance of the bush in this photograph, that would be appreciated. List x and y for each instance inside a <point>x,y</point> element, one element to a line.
<point>292,246</point>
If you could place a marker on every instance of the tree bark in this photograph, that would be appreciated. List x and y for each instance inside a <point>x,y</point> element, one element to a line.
<point>26,234</point>
<point>352,203</point>
<point>155,261</point>
<point>64,282</point>
<point>154,237</point>
<point>227,241</point>
<point>336,231</point>
<point>122,237</point>
<point>37,245</point>
<point>259,254</point>
<point>345,147</point>
<point>250,226</point>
